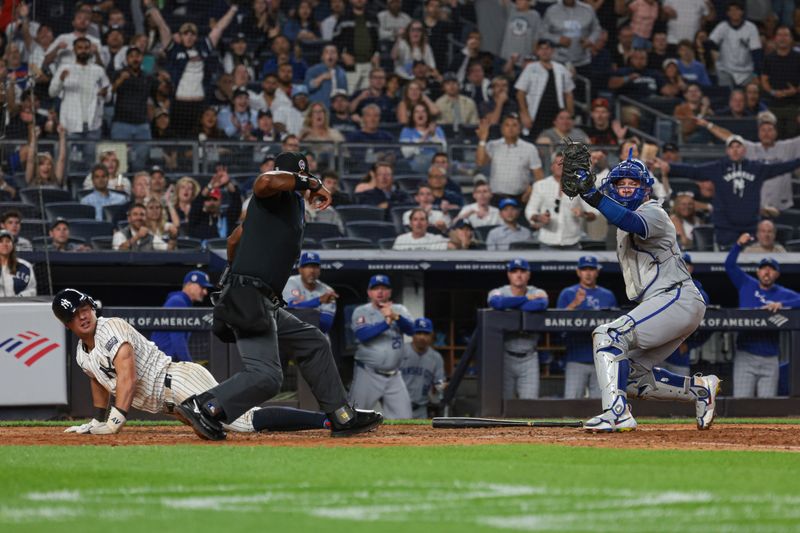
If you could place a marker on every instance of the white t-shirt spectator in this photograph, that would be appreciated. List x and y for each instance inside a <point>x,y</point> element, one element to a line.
<point>735,47</point>
<point>686,24</point>
<point>389,25</point>
<point>512,165</point>
<point>434,217</point>
<point>430,241</point>
<point>564,228</point>
<point>470,212</point>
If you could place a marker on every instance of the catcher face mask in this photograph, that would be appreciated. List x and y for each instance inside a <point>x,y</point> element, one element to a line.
<point>631,169</point>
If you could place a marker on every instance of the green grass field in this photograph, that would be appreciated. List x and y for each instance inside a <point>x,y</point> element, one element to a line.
<point>459,489</point>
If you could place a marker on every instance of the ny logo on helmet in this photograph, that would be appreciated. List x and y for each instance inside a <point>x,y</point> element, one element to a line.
<point>66,304</point>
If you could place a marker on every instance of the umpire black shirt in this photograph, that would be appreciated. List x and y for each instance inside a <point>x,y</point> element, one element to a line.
<point>132,96</point>
<point>271,239</point>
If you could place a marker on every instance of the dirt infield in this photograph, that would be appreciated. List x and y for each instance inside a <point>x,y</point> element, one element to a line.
<point>666,436</point>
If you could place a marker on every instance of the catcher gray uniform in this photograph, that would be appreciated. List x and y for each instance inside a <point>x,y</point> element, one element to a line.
<point>420,373</point>
<point>376,375</point>
<point>520,358</point>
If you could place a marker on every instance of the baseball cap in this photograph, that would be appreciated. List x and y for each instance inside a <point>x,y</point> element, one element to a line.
<point>239,37</point>
<point>240,91</point>
<point>291,162</point>
<point>767,117</point>
<point>769,262</point>
<point>6,233</point>
<point>518,264</point>
<point>667,61</point>
<point>309,258</point>
<point>199,277</point>
<point>505,202</point>
<point>131,50</point>
<point>215,193</point>
<point>156,168</point>
<point>379,279</point>
<point>687,259</point>
<point>588,261</point>
<point>423,325</point>
<point>299,89</point>
<point>734,139</point>
<point>670,147</point>
<point>462,223</point>
<point>450,76</point>
<point>59,220</point>
<point>548,42</point>
<point>339,92</point>
<point>265,113</point>
<point>601,102</point>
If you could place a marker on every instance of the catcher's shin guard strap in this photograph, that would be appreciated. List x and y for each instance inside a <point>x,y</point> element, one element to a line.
<point>659,384</point>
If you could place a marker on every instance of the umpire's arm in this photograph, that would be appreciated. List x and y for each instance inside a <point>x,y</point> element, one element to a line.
<point>273,182</point>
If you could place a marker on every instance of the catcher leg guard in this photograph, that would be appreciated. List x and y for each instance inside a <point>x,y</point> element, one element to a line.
<point>611,344</point>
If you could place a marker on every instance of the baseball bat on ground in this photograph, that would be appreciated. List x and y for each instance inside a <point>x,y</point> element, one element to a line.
<point>462,422</point>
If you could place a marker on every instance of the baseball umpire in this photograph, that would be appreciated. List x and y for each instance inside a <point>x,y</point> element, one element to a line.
<point>520,359</point>
<point>306,291</point>
<point>379,327</point>
<point>262,252</point>
<point>669,308</point>
<point>121,362</point>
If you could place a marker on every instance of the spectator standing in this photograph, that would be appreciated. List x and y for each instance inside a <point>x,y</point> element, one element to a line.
<point>781,80</point>
<point>370,133</point>
<point>684,18</point>
<point>375,93</point>
<point>238,120</point>
<point>500,103</point>
<point>739,45</point>
<point>17,278</point>
<point>454,108</point>
<point>83,88</point>
<point>471,52</point>
<point>422,367</point>
<point>690,68</point>
<point>737,187</point>
<point>302,27</point>
<point>392,21</point>
<point>61,51</point>
<point>777,192</point>
<point>520,358</point>
<point>385,194</point>
<point>563,128</point>
<point>419,238</point>
<point>439,29</point>
<point>636,82</point>
<point>11,221</point>
<point>579,371</point>
<point>543,88</point>
<point>326,77</point>
<point>40,169</point>
<point>755,365</point>
<point>501,237</point>
<point>187,62</point>
<point>101,196</point>
<point>558,217</point>
<point>602,130</point>
<point>476,85</point>
<point>421,128</point>
<point>175,344</point>
<point>573,26</point>
<point>238,55</point>
<point>522,29</point>
<point>480,213</point>
<point>291,117</point>
<point>412,46</point>
<point>132,89</point>
<point>379,326</point>
<point>328,24</point>
<point>643,15</point>
<point>270,98</point>
<point>514,163</point>
<point>206,218</point>
<point>765,240</point>
<point>342,120</point>
<point>306,291</point>
<point>356,38</point>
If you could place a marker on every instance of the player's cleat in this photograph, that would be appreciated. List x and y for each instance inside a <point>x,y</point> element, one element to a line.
<point>705,388</point>
<point>618,418</point>
<point>203,425</point>
<point>362,422</point>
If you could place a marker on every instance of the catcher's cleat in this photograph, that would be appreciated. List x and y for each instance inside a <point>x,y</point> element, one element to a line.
<point>203,425</point>
<point>705,388</point>
<point>362,422</point>
<point>618,418</point>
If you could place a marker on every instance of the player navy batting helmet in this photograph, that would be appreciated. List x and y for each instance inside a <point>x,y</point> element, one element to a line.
<point>291,162</point>
<point>633,169</point>
<point>67,302</point>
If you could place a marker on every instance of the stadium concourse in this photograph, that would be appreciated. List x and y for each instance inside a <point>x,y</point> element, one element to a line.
<point>133,131</point>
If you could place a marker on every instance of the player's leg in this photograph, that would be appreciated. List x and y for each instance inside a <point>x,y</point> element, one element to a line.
<point>396,401</point>
<point>744,374</point>
<point>509,376</point>
<point>528,377</point>
<point>574,381</point>
<point>767,386</point>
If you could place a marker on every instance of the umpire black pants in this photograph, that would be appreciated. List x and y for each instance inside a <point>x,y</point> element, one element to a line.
<point>261,377</point>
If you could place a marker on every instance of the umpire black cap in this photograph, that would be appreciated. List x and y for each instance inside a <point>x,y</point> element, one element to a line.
<point>67,302</point>
<point>291,162</point>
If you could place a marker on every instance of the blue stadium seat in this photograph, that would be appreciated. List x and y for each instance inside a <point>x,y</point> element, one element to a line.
<point>69,210</point>
<point>792,246</point>
<point>703,238</point>
<point>86,229</point>
<point>374,231</point>
<point>410,183</point>
<point>26,210</point>
<point>321,230</point>
<point>784,233</point>
<point>40,242</point>
<point>524,245</point>
<point>102,242</point>
<point>34,227</point>
<point>115,213</point>
<point>790,217</point>
<point>217,244</point>
<point>187,243</point>
<point>482,231</point>
<point>347,243</point>
<point>310,244</point>
<point>37,195</point>
<point>386,244</point>
<point>593,244</point>
<point>361,213</point>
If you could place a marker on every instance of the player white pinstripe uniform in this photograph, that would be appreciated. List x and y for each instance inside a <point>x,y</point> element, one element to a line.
<point>152,368</point>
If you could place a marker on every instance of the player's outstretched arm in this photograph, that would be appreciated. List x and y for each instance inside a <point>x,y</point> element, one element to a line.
<point>125,368</point>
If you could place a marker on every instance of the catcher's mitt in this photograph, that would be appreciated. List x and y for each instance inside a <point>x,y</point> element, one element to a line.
<point>577,178</point>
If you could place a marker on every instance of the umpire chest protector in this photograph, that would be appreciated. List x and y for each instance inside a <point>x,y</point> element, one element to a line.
<point>272,236</point>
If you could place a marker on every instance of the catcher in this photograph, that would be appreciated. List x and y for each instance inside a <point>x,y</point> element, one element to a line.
<point>627,350</point>
<point>122,362</point>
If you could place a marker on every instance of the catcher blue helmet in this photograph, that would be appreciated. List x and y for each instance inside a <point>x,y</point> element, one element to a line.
<point>67,302</point>
<point>633,169</point>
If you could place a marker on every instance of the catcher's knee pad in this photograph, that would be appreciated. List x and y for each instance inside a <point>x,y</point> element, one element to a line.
<point>612,340</point>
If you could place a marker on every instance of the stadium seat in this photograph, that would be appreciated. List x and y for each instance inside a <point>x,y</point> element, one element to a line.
<point>34,227</point>
<point>409,184</point>
<point>102,242</point>
<point>321,230</point>
<point>790,217</point>
<point>86,228</point>
<point>310,244</point>
<point>374,231</point>
<point>361,213</point>
<point>482,231</point>
<point>792,246</point>
<point>187,243</point>
<point>26,210</point>
<point>69,210</point>
<point>784,233</point>
<point>347,243</point>
<point>217,244</point>
<point>115,213</point>
<point>40,242</point>
<point>43,195</point>
<point>524,245</point>
<point>386,244</point>
<point>396,214</point>
<point>593,244</point>
<point>703,238</point>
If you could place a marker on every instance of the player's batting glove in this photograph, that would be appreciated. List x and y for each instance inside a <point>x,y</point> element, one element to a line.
<point>84,428</point>
<point>116,419</point>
